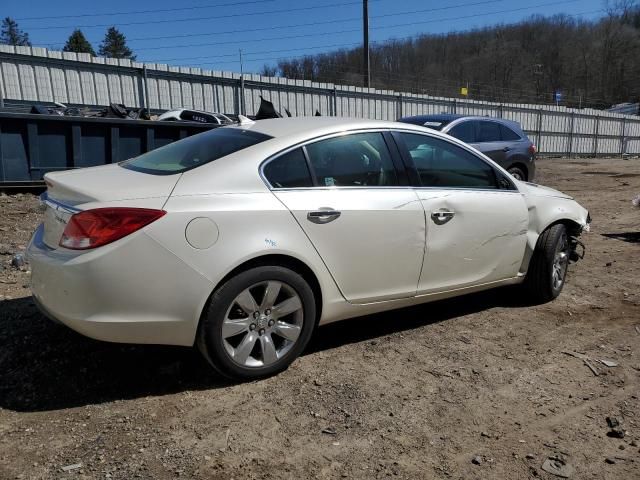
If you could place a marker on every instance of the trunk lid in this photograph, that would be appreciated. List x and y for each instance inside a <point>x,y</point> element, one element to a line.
<point>72,191</point>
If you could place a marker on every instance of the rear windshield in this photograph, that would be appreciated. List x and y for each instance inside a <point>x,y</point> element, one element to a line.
<point>194,151</point>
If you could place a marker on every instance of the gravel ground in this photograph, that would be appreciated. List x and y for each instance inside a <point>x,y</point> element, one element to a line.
<point>471,388</point>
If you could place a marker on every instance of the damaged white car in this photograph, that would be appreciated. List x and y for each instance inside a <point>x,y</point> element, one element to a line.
<point>243,239</point>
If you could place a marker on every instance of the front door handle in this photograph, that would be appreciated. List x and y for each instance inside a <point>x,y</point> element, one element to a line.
<point>441,217</point>
<point>323,216</point>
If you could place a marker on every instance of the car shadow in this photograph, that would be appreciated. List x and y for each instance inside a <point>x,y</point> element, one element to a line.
<point>631,237</point>
<point>46,366</point>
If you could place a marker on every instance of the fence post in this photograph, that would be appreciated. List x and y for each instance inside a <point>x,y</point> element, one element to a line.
<point>399,109</point>
<point>500,112</point>
<point>622,133</point>
<point>571,131</point>
<point>454,106</point>
<point>539,127</point>
<point>146,87</point>
<point>335,101</point>
<point>595,140</point>
<point>1,87</point>
<point>241,105</point>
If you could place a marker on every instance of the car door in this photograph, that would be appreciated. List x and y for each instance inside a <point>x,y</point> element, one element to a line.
<point>477,220</point>
<point>367,227</point>
<point>489,140</point>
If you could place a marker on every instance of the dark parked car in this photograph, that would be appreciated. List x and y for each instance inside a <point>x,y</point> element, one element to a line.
<point>501,140</point>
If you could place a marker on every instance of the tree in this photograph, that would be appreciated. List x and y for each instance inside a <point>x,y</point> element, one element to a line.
<point>78,43</point>
<point>594,63</point>
<point>114,45</point>
<point>268,71</point>
<point>12,35</point>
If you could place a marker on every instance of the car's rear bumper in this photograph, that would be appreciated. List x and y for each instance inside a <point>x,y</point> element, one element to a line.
<point>130,291</point>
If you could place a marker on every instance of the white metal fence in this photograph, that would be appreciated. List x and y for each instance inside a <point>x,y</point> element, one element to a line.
<point>34,74</point>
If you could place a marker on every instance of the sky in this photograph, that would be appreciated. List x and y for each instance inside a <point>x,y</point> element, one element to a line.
<point>211,33</point>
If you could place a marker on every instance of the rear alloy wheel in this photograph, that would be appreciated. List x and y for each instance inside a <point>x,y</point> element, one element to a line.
<point>549,264</point>
<point>517,173</point>
<point>257,323</point>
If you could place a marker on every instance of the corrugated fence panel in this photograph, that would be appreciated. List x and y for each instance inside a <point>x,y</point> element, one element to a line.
<point>37,74</point>
<point>28,82</point>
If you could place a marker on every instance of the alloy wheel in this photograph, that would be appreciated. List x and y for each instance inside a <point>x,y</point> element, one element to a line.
<point>262,324</point>
<point>560,263</point>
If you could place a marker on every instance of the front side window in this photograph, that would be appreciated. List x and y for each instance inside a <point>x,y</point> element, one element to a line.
<point>289,171</point>
<point>191,152</point>
<point>464,131</point>
<point>442,164</point>
<point>488,132</point>
<point>356,160</point>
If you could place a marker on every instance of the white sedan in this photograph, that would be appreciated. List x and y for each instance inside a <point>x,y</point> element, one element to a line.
<point>242,239</point>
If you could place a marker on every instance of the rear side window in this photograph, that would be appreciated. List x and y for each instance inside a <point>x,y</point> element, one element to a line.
<point>289,171</point>
<point>464,131</point>
<point>488,132</point>
<point>357,160</point>
<point>443,164</point>
<point>191,152</point>
<point>508,134</point>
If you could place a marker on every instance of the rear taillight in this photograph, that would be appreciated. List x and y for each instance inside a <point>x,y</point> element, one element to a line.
<point>532,149</point>
<point>93,228</point>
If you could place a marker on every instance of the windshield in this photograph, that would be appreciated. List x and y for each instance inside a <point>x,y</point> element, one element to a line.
<point>194,151</point>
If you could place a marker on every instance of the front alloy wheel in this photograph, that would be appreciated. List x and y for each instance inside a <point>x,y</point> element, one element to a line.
<point>257,323</point>
<point>548,265</point>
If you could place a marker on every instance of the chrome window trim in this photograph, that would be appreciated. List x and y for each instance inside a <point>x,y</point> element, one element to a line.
<point>402,187</point>
<point>304,143</point>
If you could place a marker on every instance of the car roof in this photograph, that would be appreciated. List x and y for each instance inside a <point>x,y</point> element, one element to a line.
<point>439,117</point>
<point>309,127</point>
<point>450,117</point>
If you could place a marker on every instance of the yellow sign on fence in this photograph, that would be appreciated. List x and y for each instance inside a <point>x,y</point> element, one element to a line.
<point>464,91</point>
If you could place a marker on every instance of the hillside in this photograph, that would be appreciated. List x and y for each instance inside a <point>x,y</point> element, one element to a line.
<point>593,63</point>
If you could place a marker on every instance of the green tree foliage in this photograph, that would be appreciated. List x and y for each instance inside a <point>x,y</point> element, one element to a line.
<point>114,45</point>
<point>593,63</point>
<point>78,43</point>
<point>12,35</point>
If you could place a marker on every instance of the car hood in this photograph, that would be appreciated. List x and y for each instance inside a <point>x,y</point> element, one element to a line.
<point>536,190</point>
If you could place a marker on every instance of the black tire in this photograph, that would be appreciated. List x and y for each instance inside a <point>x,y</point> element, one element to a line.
<point>517,173</point>
<point>539,283</point>
<point>211,342</point>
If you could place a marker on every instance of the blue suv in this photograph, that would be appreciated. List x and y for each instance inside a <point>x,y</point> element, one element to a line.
<point>503,141</point>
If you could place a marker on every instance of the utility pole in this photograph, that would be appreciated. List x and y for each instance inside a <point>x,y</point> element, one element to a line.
<point>365,46</point>
<point>241,66</point>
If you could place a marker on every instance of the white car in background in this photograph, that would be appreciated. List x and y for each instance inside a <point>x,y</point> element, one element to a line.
<point>242,239</point>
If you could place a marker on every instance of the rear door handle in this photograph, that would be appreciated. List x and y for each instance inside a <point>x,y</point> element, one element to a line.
<point>441,217</point>
<point>323,216</point>
<point>506,149</point>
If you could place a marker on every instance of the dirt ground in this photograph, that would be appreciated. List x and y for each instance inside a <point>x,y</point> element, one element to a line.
<point>471,388</point>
